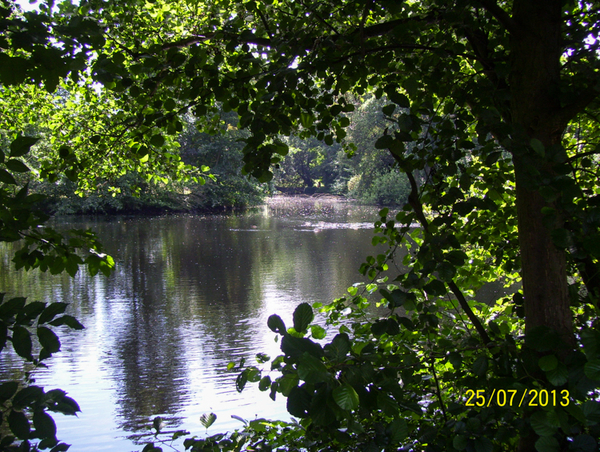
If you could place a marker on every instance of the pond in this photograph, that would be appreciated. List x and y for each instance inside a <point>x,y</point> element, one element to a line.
<point>190,294</point>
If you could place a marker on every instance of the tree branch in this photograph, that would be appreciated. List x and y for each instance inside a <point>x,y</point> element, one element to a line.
<point>413,200</point>
<point>501,16</point>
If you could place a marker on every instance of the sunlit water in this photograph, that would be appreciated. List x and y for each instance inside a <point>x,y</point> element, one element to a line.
<point>190,294</point>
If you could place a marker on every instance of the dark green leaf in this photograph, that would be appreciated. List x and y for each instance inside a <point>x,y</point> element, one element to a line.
<point>547,444</point>
<point>298,402</point>
<point>44,424</point>
<point>388,109</point>
<point>157,141</point>
<point>68,320</point>
<point>6,177</point>
<point>592,369</point>
<point>19,424</point>
<point>399,99</point>
<point>541,424</point>
<point>48,339</point>
<point>21,145</point>
<point>295,346</point>
<point>17,166</point>
<point>338,348</point>
<point>558,376</point>
<point>398,430</point>
<point>21,340</point>
<point>583,443</point>
<point>483,444</point>
<point>379,327</point>
<point>346,397</point>
<point>52,311</point>
<point>61,447</point>
<point>287,383</point>
<point>276,324</point>
<point>460,442</point>
<point>265,383</point>
<point>8,389</point>
<point>312,369</point>
<point>548,362</point>
<point>28,396</point>
<point>480,366</point>
<point>435,287</point>
<point>303,315</point>
<point>3,334</point>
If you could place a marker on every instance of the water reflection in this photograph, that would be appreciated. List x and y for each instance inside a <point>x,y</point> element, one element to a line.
<point>190,294</point>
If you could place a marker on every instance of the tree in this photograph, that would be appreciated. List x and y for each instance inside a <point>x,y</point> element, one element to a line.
<point>495,102</point>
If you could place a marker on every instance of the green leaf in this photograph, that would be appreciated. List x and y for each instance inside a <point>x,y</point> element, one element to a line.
<point>592,369</point>
<point>8,389</point>
<point>208,419</point>
<point>276,324</point>
<point>3,334</point>
<point>460,442</point>
<point>68,320</point>
<point>48,339</point>
<point>538,147</point>
<point>399,99</point>
<point>583,443</point>
<point>240,381</point>
<point>6,177</point>
<point>338,348</point>
<point>298,402</point>
<point>21,145</point>
<point>265,383</point>
<point>311,369</point>
<point>483,444</point>
<point>28,396</point>
<point>480,366</point>
<point>558,376</point>
<point>303,315</point>
<point>19,424</point>
<point>379,327</point>
<point>435,287</point>
<point>44,424</point>
<point>398,431</point>
<point>295,346</point>
<point>548,363</point>
<point>397,297</point>
<point>318,332</point>
<point>17,166</point>
<point>541,424</point>
<point>547,444</point>
<point>287,383</point>
<point>22,342</point>
<point>346,397</point>
<point>446,271</point>
<point>157,140</point>
<point>52,311</point>
<point>388,109</point>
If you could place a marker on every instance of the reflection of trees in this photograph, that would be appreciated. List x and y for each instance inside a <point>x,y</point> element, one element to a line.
<point>189,295</point>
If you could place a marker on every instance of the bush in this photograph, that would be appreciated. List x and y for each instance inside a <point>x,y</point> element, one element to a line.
<point>387,189</point>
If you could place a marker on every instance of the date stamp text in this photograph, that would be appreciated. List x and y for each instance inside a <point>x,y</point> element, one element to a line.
<point>517,398</point>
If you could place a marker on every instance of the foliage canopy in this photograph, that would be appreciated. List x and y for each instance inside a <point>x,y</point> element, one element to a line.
<point>492,112</point>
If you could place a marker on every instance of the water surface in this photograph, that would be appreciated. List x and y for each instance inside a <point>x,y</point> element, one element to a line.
<point>190,294</point>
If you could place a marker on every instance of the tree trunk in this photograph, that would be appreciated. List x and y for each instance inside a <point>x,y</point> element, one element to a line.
<point>535,106</point>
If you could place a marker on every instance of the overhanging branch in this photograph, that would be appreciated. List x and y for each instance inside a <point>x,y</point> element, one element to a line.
<point>501,15</point>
